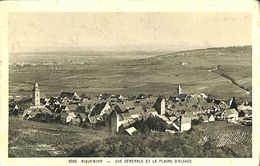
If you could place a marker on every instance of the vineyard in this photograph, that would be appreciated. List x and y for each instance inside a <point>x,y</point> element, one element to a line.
<point>234,137</point>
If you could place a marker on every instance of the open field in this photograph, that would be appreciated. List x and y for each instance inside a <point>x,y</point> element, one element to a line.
<point>150,75</point>
<point>36,139</point>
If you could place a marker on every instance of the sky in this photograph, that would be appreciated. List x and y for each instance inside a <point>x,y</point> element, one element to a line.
<point>127,31</point>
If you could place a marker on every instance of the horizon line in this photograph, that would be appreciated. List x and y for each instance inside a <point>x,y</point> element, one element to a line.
<point>110,49</point>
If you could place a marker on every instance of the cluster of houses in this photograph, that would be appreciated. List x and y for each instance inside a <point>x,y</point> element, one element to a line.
<point>118,113</point>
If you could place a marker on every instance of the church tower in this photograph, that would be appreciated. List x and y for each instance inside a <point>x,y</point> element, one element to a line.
<point>159,106</point>
<point>162,104</point>
<point>36,95</point>
<point>114,128</point>
<point>179,90</point>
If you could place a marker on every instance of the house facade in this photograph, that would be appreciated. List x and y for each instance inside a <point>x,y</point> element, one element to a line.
<point>230,115</point>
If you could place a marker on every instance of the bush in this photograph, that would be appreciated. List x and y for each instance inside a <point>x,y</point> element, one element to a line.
<point>152,123</point>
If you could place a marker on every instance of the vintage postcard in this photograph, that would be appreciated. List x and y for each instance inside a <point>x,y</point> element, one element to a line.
<point>134,82</point>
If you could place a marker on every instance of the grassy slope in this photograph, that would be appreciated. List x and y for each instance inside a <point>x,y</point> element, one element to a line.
<point>156,75</point>
<point>35,139</point>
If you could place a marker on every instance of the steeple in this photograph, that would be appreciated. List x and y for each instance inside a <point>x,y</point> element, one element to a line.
<point>36,95</point>
<point>179,90</point>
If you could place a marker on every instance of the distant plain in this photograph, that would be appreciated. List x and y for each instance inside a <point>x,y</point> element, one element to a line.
<point>133,73</point>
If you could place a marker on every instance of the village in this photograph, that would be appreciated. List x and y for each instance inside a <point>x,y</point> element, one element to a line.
<point>119,114</point>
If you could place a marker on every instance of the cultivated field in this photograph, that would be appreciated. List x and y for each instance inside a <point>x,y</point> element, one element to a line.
<point>139,74</point>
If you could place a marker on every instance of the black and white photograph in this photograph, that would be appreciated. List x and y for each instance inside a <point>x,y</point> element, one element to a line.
<point>130,85</point>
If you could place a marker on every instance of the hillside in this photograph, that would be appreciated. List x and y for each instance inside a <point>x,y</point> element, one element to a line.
<point>36,139</point>
<point>196,71</point>
<point>186,144</point>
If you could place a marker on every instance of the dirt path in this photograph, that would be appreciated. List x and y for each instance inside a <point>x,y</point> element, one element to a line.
<point>65,78</point>
<point>222,74</point>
